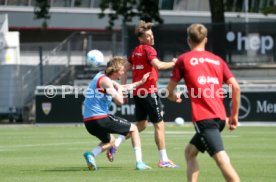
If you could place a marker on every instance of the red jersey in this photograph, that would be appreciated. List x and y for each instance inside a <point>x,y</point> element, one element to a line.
<point>204,74</point>
<point>140,59</point>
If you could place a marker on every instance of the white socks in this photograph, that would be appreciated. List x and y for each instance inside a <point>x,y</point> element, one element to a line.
<point>137,150</point>
<point>163,155</point>
<point>119,140</point>
<point>138,154</point>
<point>96,151</point>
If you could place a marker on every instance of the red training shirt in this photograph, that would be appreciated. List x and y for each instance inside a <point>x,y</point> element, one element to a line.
<point>140,59</point>
<point>204,74</point>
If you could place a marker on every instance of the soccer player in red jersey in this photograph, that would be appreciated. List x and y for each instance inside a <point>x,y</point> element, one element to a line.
<point>204,73</point>
<point>143,59</point>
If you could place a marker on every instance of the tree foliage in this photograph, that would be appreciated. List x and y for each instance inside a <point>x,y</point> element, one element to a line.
<point>147,10</point>
<point>269,10</point>
<point>218,28</point>
<point>41,11</point>
<point>217,11</point>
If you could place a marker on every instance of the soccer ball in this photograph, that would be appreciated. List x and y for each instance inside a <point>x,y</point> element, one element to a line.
<point>95,58</point>
<point>179,121</point>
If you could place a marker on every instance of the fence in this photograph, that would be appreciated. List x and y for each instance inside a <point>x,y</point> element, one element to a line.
<point>240,44</point>
<point>41,64</point>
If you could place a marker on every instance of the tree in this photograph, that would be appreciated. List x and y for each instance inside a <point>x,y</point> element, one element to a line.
<point>218,28</point>
<point>217,11</point>
<point>147,10</point>
<point>269,10</point>
<point>41,11</point>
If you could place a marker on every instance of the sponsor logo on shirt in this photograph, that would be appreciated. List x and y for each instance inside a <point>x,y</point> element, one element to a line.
<point>196,61</point>
<point>138,67</point>
<point>202,80</point>
<point>138,54</point>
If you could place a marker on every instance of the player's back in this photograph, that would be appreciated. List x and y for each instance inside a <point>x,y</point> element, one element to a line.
<point>203,74</point>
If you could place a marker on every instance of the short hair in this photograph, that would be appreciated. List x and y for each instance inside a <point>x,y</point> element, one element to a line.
<point>197,32</point>
<point>114,64</point>
<point>142,27</point>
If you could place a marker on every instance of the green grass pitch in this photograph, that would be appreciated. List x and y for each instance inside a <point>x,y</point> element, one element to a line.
<point>32,153</point>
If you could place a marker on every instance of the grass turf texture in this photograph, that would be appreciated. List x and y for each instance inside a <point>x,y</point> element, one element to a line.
<point>55,153</point>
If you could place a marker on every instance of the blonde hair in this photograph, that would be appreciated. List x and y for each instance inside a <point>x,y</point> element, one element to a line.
<point>114,65</point>
<point>197,32</point>
<point>142,27</point>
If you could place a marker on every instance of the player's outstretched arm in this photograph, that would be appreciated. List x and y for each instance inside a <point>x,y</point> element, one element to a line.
<point>136,84</point>
<point>159,65</point>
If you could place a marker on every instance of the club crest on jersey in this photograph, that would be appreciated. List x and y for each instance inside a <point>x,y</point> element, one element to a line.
<point>46,107</point>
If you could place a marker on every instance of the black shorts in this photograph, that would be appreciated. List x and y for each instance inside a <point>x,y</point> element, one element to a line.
<point>148,106</point>
<point>102,128</point>
<point>207,137</point>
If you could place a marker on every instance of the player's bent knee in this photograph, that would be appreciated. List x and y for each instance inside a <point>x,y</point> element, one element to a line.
<point>141,125</point>
<point>133,128</point>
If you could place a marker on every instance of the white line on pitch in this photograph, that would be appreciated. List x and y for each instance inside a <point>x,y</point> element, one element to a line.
<point>171,132</point>
<point>187,133</point>
<point>38,145</point>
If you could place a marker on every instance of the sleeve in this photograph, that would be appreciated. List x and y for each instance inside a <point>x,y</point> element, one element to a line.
<point>227,74</point>
<point>178,70</point>
<point>151,53</point>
